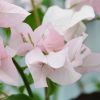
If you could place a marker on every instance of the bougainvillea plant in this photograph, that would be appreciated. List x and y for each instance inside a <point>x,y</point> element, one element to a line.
<point>51,43</point>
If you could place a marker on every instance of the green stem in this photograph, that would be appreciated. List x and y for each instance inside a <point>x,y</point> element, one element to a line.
<point>23,78</point>
<point>35,13</point>
<point>46,94</point>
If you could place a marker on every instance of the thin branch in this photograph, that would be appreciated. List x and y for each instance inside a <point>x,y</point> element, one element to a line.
<point>23,78</point>
<point>46,94</point>
<point>35,13</point>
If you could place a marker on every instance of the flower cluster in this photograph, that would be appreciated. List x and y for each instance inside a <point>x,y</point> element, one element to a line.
<point>55,50</point>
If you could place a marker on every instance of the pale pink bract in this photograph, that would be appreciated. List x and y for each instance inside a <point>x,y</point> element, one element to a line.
<point>8,71</point>
<point>77,4</point>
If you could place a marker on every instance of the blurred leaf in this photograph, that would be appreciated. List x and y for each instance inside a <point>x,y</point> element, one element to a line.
<point>5,34</point>
<point>98,86</point>
<point>1,86</point>
<point>23,97</point>
<point>47,3</point>
<point>18,97</point>
<point>30,20</point>
<point>37,97</point>
<point>1,89</point>
<point>21,89</point>
<point>52,87</point>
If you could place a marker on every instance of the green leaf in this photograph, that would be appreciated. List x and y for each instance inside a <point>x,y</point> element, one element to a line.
<point>52,87</point>
<point>37,97</point>
<point>23,97</point>
<point>5,34</point>
<point>30,20</point>
<point>1,86</point>
<point>98,86</point>
<point>21,89</point>
<point>18,97</point>
<point>47,3</point>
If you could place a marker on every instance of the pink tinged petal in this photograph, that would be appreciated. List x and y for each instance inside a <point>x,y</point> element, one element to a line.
<point>24,49</point>
<point>75,31</point>
<point>91,63</point>
<point>10,1</point>
<point>38,75</point>
<point>85,51</point>
<point>40,45</point>
<point>33,60</point>
<point>17,43</point>
<point>96,5</point>
<point>8,72</point>
<point>35,56</point>
<point>77,4</point>
<point>50,39</point>
<point>72,3</point>
<point>12,12</point>
<point>64,75</point>
<point>53,41</point>
<point>41,83</point>
<point>60,18</point>
<point>68,18</point>
<point>6,7</point>
<point>85,70</point>
<point>92,60</point>
<point>44,37</point>
<point>86,12</point>
<point>55,60</point>
<point>10,8</point>
<point>25,31</point>
<point>15,40</point>
<point>77,51</point>
<point>11,52</point>
<point>78,61</point>
<point>38,33</point>
<point>75,46</point>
